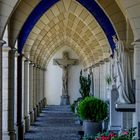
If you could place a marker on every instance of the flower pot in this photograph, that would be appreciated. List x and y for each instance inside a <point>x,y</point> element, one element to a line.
<point>91,128</point>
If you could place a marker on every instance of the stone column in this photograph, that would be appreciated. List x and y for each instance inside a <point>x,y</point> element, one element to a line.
<point>11,93</point>
<point>23,112</point>
<point>40,94</point>
<point>26,95</point>
<point>137,78</point>
<point>37,90</point>
<point>20,126</point>
<point>96,81</point>
<point>5,51</point>
<point>31,93</point>
<point>108,73</point>
<point>1,44</point>
<point>43,85</point>
<point>34,92</point>
<point>102,80</point>
<point>41,88</point>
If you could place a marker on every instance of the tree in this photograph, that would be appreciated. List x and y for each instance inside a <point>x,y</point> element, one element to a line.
<point>85,83</point>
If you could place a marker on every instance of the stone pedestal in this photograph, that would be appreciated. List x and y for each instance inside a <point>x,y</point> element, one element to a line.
<point>35,113</point>
<point>27,123</point>
<point>115,118</point>
<point>31,117</point>
<point>37,107</point>
<point>65,100</point>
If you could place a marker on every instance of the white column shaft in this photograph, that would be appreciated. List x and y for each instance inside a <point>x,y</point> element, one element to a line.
<point>102,81</point>
<point>4,110</point>
<point>23,113</point>
<point>96,82</point>
<point>40,84</point>
<point>137,78</point>
<point>26,88</point>
<point>11,93</point>
<point>37,86</point>
<point>34,85</point>
<point>44,80</point>
<point>1,44</point>
<point>31,87</point>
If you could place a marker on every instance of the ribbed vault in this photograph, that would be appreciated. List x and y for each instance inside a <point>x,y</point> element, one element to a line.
<point>69,23</point>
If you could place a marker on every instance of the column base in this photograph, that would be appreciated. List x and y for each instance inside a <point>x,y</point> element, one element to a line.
<point>35,113</point>
<point>41,105</point>
<point>20,131</point>
<point>31,117</point>
<point>5,135</point>
<point>27,123</point>
<point>44,102</point>
<point>40,108</point>
<point>65,100</point>
<point>37,106</point>
<point>12,135</point>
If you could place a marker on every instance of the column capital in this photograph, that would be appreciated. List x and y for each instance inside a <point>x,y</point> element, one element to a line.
<point>31,63</point>
<point>44,69</point>
<point>34,65</point>
<point>26,60</point>
<point>6,48</point>
<point>107,59</point>
<point>38,67</point>
<point>13,49</point>
<point>2,42</point>
<point>137,42</point>
<point>101,62</point>
<point>97,64</point>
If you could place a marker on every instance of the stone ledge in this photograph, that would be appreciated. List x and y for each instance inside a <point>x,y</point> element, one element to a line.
<point>125,107</point>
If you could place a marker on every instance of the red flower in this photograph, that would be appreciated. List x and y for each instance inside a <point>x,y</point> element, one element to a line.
<point>125,133</point>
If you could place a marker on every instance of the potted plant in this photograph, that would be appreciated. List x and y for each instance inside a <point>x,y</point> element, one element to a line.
<point>93,111</point>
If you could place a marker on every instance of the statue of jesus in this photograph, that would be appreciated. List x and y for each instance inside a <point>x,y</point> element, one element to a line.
<point>65,63</point>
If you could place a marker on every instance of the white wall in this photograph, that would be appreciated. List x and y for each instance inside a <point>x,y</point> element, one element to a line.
<point>53,85</point>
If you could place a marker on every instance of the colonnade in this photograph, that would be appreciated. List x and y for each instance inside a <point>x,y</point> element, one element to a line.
<point>23,96</point>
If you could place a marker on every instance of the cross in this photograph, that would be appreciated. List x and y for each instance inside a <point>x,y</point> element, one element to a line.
<point>65,63</point>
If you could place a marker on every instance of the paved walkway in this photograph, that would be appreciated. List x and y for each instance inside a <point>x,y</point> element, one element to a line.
<point>54,123</point>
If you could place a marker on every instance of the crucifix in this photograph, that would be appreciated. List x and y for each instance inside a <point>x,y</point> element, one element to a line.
<point>65,63</point>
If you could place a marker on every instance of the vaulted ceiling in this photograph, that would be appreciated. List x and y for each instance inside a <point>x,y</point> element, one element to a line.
<point>69,23</point>
<point>66,23</point>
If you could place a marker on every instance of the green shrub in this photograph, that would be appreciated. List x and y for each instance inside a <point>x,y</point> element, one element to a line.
<point>92,109</point>
<point>75,104</point>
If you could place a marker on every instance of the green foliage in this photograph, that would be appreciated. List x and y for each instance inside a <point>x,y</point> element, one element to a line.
<point>108,79</point>
<point>92,109</point>
<point>85,83</point>
<point>72,107</point>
